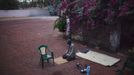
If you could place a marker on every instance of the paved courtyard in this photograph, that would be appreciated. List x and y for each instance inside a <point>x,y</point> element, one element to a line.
<point>19,40</point>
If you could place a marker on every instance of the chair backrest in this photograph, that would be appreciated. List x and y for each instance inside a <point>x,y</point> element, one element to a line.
<point>43,49</point>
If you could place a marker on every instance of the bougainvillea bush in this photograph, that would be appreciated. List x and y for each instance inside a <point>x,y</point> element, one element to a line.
<point>87,15</point>
<point>97,12</point>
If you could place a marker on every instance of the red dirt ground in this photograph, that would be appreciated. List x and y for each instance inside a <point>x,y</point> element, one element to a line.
<point>19,40</point>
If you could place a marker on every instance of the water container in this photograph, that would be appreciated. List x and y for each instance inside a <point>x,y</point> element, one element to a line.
<point>88,70</point>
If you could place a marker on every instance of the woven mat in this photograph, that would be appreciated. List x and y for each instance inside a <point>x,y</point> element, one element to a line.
<point>60,60</point>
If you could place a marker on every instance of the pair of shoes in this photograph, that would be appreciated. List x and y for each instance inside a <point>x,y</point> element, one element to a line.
<point>80,67</point>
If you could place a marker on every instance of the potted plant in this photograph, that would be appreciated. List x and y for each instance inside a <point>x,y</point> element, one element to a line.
<point>60,24</point>
<point>129,63</point>
<point>130,60</point>
<point>131,53</point>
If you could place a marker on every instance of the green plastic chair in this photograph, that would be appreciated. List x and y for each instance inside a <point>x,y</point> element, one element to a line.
<point>45,54</point>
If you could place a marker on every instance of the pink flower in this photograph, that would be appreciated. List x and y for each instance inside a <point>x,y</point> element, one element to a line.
<point>64,5</point>
<point>123,10</point>
<point>113,2</point>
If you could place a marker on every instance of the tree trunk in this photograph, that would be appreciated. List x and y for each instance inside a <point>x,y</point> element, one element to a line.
<point>114,40</point>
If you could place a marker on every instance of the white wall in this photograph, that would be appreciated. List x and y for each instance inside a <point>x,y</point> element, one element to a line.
<point>24,12</point>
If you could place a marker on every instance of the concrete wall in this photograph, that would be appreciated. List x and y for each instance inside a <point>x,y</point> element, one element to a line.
<point>24,12</point>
